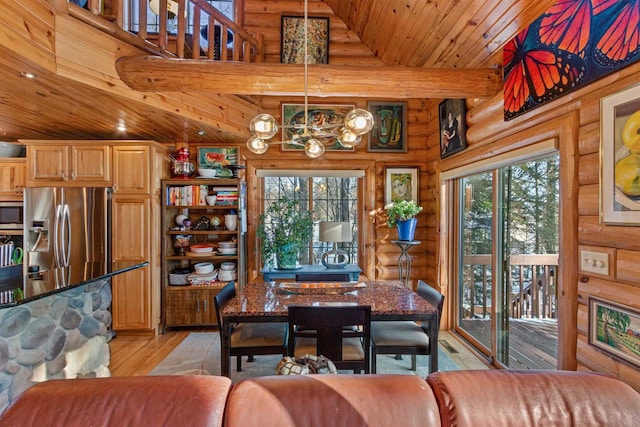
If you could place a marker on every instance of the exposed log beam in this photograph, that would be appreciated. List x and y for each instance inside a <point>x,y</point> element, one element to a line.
<point>154,74</point>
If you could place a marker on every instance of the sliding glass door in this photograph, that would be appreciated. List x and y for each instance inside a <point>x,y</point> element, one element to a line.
<point>506,264</point>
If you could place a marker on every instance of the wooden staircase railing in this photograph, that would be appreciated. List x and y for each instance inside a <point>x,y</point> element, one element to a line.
<point>219,38</point>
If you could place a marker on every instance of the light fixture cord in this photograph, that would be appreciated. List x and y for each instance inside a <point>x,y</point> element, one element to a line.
<point>306,65</point>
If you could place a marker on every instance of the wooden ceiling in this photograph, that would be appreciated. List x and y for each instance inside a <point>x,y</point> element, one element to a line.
<point>414,33</point>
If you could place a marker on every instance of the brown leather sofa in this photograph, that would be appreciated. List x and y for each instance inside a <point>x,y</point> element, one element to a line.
<point>457,398</point>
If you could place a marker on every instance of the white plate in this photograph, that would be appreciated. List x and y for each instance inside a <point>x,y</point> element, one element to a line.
<point>201,249</point>
<point>227,251</point>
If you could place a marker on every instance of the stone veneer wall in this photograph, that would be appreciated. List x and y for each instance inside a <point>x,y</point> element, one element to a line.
<point>60,336</point>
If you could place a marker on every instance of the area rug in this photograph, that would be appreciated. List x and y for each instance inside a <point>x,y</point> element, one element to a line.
<point>199,354</point>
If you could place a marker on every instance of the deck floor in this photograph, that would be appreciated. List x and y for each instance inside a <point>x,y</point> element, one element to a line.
<point>533,342</point>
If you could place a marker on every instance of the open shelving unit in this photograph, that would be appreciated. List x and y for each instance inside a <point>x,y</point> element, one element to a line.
<point>192,305</point>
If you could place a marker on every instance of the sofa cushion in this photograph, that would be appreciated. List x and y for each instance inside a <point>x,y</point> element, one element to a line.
<point>119,401</point>
<point>332,400</point>
<point>533,398</point>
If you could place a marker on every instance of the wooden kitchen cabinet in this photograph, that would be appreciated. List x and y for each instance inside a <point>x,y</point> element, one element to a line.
<point>136,234</point>
<point>191,307</point>
<point>12,178</point>
<point>135,170</point>
<point>68,163</point>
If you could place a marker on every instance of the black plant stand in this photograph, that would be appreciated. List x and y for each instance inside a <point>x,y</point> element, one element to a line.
<point>404,260</point>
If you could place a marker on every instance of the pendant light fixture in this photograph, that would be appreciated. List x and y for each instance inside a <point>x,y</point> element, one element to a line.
<point>356,123</point>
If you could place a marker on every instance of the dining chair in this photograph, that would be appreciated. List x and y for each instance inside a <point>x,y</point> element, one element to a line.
<point>249,339</point>
<point>405,337</point>
<point>327,332</point>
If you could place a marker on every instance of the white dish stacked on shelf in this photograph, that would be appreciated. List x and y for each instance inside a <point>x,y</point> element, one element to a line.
<point>227,272</point>
<point>204,274</point>
<point>227,248</point>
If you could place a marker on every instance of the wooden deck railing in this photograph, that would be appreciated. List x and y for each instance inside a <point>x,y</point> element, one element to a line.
<point>533,286</point>
<point>191,29</point>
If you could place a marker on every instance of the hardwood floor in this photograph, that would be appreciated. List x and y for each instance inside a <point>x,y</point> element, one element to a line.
<point>138,355</point>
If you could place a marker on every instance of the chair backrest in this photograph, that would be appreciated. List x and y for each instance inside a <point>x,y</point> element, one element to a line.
<point>434,297</point>
<point>221,300</point>
<point>329,324</point>
<point>325,277</point>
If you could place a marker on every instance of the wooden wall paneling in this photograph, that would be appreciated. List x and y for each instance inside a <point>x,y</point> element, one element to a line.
<point>589,170</point>
<point>626,268</point>
<point>589,200</point>
<point>596,360</point>
<point>592,232</point>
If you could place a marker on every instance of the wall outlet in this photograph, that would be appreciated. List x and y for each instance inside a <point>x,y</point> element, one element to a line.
<point>594,262</point>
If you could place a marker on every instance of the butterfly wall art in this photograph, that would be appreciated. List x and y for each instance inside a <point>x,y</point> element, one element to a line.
<point>573,43</point>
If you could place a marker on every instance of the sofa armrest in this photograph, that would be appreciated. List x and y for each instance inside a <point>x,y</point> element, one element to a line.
<point>533,398</point>
<point>119,401</point>
<point>332,400</point>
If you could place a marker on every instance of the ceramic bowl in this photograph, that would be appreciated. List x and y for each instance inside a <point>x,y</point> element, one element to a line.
<point>201,248</point>
<point>228,266</point>
<point>227,275</point>
<point>203,268</point>
<point>207,173</point>
<point>227,245</point>
<point>227,251</point>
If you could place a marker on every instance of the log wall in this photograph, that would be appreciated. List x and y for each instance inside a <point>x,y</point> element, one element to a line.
<point>380,255</point>
<point>575,121</point>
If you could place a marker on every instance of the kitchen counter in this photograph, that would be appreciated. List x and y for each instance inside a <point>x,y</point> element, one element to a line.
<point>34,286</point>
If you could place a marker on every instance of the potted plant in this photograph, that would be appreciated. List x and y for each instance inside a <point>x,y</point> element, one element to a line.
<point>401,214</point>
<point>285,228</point>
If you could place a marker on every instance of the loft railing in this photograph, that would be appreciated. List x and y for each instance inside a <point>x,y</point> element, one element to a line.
<point>190,28</point>
<point>533,286</point>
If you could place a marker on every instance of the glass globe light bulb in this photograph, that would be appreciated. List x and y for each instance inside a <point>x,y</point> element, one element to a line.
<point>257,145</point>
<point>263,126</point>
<point>347,139</point>
<point>313,148</point>
<point>358,121</point>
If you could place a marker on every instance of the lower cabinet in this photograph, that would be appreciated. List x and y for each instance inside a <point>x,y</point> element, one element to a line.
<point>190,306</point>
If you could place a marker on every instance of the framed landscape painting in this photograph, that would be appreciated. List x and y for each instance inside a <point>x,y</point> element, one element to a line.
<point>615,329</point>
<point>389,133</point>
<point>292,40</point>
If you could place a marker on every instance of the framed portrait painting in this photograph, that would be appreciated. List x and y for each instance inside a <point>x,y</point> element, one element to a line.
<point>292,40</point>
<point>319,115</point>
<point>615,329</point>
<point>389,133</point>
<point>620,157</point>
<point>453,126</point>
<point>401,184</point>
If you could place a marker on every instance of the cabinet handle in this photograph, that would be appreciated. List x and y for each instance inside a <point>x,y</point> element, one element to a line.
<point>63,175</point>
<point>73,175</point>
<point>204,303</point>
<point>198,305</point>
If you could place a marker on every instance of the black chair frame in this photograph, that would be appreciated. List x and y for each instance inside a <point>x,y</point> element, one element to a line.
<point>221,300</point>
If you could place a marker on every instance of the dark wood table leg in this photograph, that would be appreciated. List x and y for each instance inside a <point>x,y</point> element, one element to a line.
<point>225,356</point>
<point>433,343</point>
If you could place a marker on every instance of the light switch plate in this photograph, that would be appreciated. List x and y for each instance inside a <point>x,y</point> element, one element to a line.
<point>594,262</point>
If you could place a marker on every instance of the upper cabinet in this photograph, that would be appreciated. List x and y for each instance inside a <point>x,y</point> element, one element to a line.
<point>131,169</point>
<point>68,163</point>
<point>12,175</point>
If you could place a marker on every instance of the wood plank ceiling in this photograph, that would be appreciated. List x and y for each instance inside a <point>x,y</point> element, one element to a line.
<point>414,33</point>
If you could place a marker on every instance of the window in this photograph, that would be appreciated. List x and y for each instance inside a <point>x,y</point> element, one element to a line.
<point>330,195</point>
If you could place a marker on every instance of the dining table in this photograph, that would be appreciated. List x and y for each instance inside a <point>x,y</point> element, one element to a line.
<point>269,302</point>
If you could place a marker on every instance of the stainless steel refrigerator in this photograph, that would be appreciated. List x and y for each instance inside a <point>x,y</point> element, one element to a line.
<point>64,226</point>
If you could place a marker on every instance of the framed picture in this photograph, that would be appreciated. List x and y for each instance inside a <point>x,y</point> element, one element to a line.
<point>217,158</point>
<point>401,183</point>
<point>620,157</point>
<point>293,114</point>
<point>453,126</point>
<point>292,40</point>
<point>389,133</point>
<point>615,329</point>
